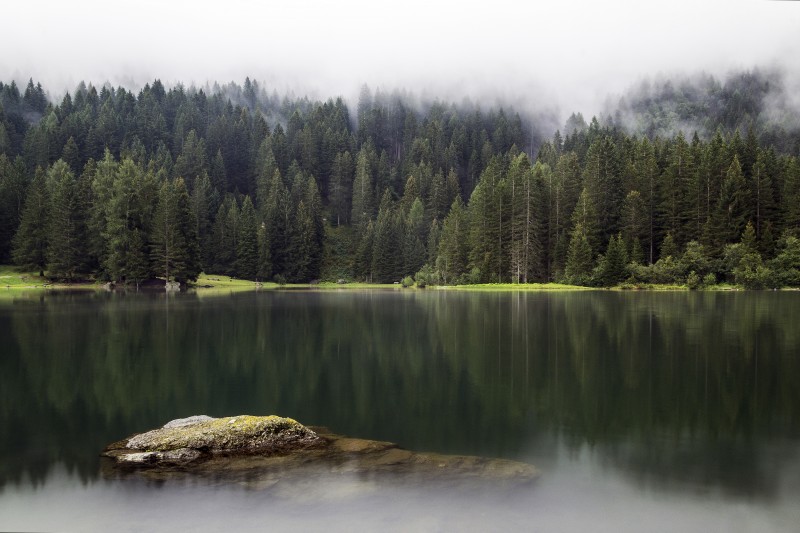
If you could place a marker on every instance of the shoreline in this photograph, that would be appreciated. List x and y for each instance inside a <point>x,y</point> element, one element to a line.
<point>208,285</point>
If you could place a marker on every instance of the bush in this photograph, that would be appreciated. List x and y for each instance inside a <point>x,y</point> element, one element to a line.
<point>280,279</point>
<point>408,281</point>
<point>665,270</point>
<point>693,281</point>
<point>427,276</point>
<point>709,280</point>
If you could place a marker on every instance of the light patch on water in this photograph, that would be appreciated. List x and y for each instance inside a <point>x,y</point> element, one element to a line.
<point>576,494</point>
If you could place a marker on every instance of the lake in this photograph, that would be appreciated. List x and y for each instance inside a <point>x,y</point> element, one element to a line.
<point>644,411</point>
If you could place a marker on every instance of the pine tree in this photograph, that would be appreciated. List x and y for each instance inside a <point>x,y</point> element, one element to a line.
<point>453,243</point>
<point>674,186</point>
<point>646,169</point>
<point>434,236</point>
<point>278,219</point>
<point>66,250</point>
<point>526,249</point>
<point>362,191</point>
<point>384,252</point>
<point>761,193</point>
<point>749,238</point>
<point>247,242</point>
<point>668,247</point>
<point>341,186</point>
<point>30,241</point>
<point>611,269</point>
<point>634,218</point>
<point>362,266</point>
<point>174,249</point>
<point>264,253</point>
<point>13,189</point>
<point>414,253</point>
<point>488,212</point>
<point>730,215</point>
<point>313,202</point>
<point>585,215</point>
<point>137,264</point>
<point>129,208</point>
<point>202,203</point>
<point>562,195</point>
<point>578,268</point>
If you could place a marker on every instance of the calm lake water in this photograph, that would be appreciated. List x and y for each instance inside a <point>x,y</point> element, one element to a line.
<point>643,411</point>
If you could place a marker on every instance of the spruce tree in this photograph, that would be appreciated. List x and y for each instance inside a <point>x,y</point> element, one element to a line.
<point>578,268</point>
<point>174,248</point>
<point>611,269</point>
<point>264,253</point>
<point>247,242</point>
<point>30,242</point>
<point>66,250</point>
<point>730,215</point>
<point>131,201</point>
<point>453,244</point>
<point>386,243</point>
<point>362,191</point>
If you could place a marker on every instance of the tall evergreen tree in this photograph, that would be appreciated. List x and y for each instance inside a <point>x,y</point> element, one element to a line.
<point>67,249</point>
<point>453,243</point>
<point>580,259</point>
<point>174,248</point>
<point>730,214</point>
<point>386,243</point>
<point>362,191</point>
<point>131,200</point>
<point>30,242</point>
<point>247,242</point>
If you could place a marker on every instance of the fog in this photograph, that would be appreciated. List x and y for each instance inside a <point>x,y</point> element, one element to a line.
<point>567,55</point>
<point>577,494</point>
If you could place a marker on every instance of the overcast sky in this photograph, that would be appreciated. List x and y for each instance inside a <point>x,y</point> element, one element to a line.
<point>572,53</point>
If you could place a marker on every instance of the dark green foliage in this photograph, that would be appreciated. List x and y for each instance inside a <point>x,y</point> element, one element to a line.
<point>730,215</point>
<point>392,185</point>
<point>580,258</point>
<point>174,249</point>
<point>13,185</point>
<point>247,260</point>
<point>453,243</point>
<point>132,194</point>
<point>611,268</point>
<point>668,247</point>
<point>385,260</point>
<point>414,253</point>
<point>30,242</point>
<point>787,263</point>
<point>66,242</point>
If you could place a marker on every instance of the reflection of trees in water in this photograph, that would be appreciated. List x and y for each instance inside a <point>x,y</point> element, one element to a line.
<point>458,372</point>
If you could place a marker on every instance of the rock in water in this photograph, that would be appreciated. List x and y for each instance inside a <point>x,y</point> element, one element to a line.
<point>261,450</point>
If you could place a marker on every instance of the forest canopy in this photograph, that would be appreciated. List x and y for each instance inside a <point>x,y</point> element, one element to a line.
<point>114,185</point>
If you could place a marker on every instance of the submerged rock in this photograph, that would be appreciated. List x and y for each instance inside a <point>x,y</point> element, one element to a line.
<point>260,451</point>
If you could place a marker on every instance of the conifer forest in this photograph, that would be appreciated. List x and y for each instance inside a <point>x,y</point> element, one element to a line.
<point>104,183</point>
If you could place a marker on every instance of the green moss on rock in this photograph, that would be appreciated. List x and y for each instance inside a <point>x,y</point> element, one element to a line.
<point>244,433</point>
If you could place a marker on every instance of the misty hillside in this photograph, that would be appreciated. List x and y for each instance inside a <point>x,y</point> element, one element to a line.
<point>757,99</point>
<point>168,182</point>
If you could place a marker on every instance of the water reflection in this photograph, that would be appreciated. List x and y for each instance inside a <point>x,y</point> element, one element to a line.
<point>675,390</point>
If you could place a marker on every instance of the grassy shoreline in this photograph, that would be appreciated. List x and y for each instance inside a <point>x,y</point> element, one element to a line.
<point>13,280</point>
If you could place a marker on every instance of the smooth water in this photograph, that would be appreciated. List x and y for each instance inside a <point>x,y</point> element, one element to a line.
<point>644,411</point>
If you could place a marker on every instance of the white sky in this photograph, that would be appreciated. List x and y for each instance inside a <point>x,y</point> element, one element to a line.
<point>572,53</point>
